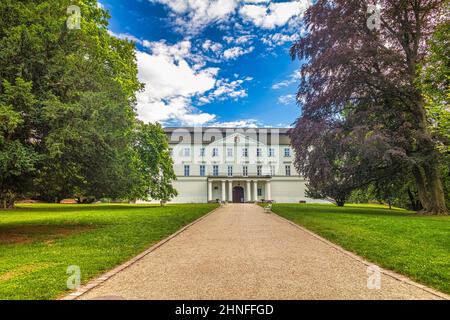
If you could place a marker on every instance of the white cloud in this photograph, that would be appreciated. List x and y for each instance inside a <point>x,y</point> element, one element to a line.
<point>167,75</point>
<point>229,89</point>
<point>286,99</point>
<point>209,45</point>
<point>278,39</point>
<point>125,36</point>
<point>276,14</point>
<point>293,78</point>
<point>173,77</point>
<point>195,14</point>
<point>235,52</point>
<point>190,16</point>
<point>246,123</point>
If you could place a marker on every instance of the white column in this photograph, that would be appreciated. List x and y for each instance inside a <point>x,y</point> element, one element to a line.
<point>255,190</point>
<point>230,190</point>
<point>209,191</point>
<point>223,191</point>
<point>268,191</point>
<point>248,192</point>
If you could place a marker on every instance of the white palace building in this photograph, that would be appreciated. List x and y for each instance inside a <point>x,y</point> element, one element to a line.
<point>234,165</point>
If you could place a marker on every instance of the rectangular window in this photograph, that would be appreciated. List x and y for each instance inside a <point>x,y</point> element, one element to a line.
<point>187,152</point>
<point>229,152</point>
<point>258,152</point>
<point>230,171</point>
<point>287,152</point>
<point>215,152</point>
<point>259,192</point>
<point>271,152</point>
<point>272,170</point>
<point>202,152</point>
<point>245,152</point>
<point>215,170</point>
<point>186,171</point>
<point>259,170</point>
<point>202,170</point>
<point>245,171</point>
<point>288,170</point>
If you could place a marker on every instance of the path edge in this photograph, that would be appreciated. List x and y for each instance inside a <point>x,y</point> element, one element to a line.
<point>111,273</point>
<point>389,273</point>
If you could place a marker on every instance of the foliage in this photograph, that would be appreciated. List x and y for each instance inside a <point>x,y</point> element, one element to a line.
<point>67,100</point>
<point>363,82</point>
<point>154,165</point>
<point>435,85</point>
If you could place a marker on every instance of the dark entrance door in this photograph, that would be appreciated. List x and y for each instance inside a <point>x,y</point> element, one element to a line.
<point>238,195</point>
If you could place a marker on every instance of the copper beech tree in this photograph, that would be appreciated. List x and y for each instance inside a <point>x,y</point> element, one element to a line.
<point>363,113</point>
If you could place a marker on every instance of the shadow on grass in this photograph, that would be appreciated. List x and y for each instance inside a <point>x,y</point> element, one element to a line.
<point>27,233</point>
<point>79,207</point>
<point>331,209</point>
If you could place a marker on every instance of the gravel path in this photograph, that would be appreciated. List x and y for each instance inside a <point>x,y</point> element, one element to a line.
<point>240,252</point>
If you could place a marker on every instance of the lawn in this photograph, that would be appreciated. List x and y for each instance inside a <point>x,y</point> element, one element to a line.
<point>416,246</point>
<point>39,242</point>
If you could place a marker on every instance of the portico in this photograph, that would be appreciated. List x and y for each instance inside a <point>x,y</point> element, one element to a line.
<point>239,189</point>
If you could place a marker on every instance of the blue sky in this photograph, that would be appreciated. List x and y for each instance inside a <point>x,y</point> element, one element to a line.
<point>213,62</point>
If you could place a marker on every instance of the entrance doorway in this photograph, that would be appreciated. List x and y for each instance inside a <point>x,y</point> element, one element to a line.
<point>238,195</point>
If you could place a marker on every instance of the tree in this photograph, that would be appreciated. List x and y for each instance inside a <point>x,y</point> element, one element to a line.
<point>435,85</point>
<point>368,79</point>
<point>327,164</point>
<point>67,104</point>
<point>153,164</point>
<point>18,158</point>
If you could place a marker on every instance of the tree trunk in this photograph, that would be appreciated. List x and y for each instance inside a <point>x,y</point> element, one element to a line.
<point>431,192</point>
<point>421,186</point>
<point>340,202</point>
<point>437,205</point>
<point>415,204</point>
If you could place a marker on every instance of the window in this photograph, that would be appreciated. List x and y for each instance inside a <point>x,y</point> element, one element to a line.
<point>202,170</point>
<point>271,152</point>
<point>245,171</point>
<point>187,152</point>
<point>230,171</point>
<point>258,152</point>
<point>215,152</point>
<point>186,171</point>
<point>259,170</point>
<point>259,192</point>
<point>202,152</point>
<point>288,170</point>
<point>229,152</point>
<point>215,170</point>
<point>245,152</point>
<point>287,152</point>
<point>272,170</point>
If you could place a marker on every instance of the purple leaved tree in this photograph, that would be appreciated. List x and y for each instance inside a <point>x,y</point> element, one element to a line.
<point>363,114</point>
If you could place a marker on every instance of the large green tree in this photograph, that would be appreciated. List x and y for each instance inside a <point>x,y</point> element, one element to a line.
<point>67,100</point>
<point>153,164</point>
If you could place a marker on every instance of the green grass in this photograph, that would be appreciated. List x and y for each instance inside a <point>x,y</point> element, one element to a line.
<point>416,246</point>
<point>39,242</point>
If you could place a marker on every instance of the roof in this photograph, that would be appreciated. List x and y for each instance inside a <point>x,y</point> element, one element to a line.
<point>207,135</point>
